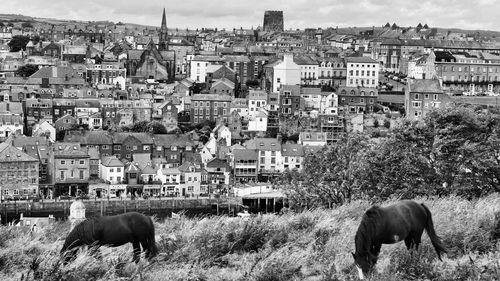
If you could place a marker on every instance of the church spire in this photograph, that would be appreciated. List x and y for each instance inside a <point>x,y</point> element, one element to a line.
<point>163,44</point>
<point>164,21</point>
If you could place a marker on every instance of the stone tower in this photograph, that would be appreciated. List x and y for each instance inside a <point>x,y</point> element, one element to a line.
<point>273,21</point>
<point>163,42</point>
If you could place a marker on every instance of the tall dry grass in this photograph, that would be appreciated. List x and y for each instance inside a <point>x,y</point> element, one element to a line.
<point>312,245</point>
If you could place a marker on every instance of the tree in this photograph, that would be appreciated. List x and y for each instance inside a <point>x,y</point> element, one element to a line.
<point>36,39</point>
<point>26,70</point>
<point>387,123</point>
<point>330,176</point>
<point>26,24</point>
<point>375,123</point>
<point>153,127</point>
<point>18,43</point>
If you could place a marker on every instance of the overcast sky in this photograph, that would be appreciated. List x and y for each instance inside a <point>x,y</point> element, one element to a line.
<point>471,14</point>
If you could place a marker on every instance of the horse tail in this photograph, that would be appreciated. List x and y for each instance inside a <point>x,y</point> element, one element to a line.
<point>429,228</point>
<point>153,250</point>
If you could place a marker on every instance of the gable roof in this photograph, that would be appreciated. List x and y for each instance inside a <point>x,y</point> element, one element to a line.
<point>9,153</point>
<point>292,149</point>
<point>111,161</point>
<point>424,86</point>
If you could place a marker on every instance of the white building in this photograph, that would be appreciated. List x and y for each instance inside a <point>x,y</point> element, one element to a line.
<point>199,66</point>
<point>190,179</point>
<point>112,170</point>
<point>257,100</point>
<point>258,122</point>
<point>285,72</point>
<point>44,129</point>
<point>10,124</point>
<point>362,71</point>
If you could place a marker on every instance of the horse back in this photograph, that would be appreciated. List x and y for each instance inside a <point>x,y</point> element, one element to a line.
<point>121,229</point>
<point>402,218</point>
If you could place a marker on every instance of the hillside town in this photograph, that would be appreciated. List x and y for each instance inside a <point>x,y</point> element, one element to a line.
<point>110,110</point>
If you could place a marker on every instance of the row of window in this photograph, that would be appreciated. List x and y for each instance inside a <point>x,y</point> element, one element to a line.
<point>207,104</point>
<point>368,65</point>
<point>207,112</point>
<point>72,162</point>
<point>18,192</point>
<point>426,96</point>
<point>473,78</point>
<point>81,174</point>
<point>472,69</point>
<point>361,82</point>
<point>351,73</point>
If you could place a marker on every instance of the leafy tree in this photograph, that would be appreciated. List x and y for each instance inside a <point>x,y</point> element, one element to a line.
<point>27,24</point>
<point>36,39</point>
<point>330,176</point>
<point>375,123</point>
<point>26,70</point>
<point>18,43</point>
<point>387,123</point>
<point>153,127</point>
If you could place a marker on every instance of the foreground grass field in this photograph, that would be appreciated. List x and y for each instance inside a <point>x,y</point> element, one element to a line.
<point>313,245</point>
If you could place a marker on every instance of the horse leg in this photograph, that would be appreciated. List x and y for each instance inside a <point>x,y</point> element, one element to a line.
<point>409,242</point>
<point>417,238</point>
<point>137,251</point>
<point>145,248</point>
<point>376,249</point>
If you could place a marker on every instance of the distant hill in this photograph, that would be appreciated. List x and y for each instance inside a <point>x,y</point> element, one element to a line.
<point>345,30</point>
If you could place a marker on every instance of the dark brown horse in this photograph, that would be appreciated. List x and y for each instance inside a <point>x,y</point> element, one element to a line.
<point>113,231</point>
<point>405,220</point>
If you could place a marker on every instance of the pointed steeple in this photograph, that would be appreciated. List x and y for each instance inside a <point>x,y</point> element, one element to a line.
<point>163,44</point>
<point>164,21</point>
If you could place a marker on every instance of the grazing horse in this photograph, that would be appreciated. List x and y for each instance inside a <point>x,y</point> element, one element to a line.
<point>113,231</point>
<point>405,220</point>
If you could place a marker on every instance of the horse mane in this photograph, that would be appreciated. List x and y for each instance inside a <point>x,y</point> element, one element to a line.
<point>83,233</point>
<point>367,229</point>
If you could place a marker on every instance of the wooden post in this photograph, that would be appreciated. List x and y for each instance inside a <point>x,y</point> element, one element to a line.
<point>102,207</point>
<point>274,205</point>
<point>258,205</point>
<point>267,203</point>
<point>217,206</point>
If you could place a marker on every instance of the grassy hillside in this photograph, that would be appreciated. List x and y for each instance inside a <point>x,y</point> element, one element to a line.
<point>313,245</point>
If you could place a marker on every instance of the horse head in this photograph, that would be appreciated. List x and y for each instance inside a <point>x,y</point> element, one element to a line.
<point>82,234</point>
<point>364,263</point>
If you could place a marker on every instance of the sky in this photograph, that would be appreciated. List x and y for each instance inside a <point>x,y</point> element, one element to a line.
<point>477,14</point>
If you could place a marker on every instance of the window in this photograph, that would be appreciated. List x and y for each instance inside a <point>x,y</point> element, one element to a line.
<point>146,148</point>
<point>111,170</point>
<point>63,162</point>
<point>81,174</point>
<point>435,97</point>
<point>82,162</point>
<point>134,147</point>
<point>416,104</point>
<point>117,147</point>
<point>417,96</point>
<point>62,175</point>
<point>118,170</point>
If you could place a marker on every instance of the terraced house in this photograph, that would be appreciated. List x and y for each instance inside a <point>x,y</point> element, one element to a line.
<point>18,173</point>
<point>69,168</point>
